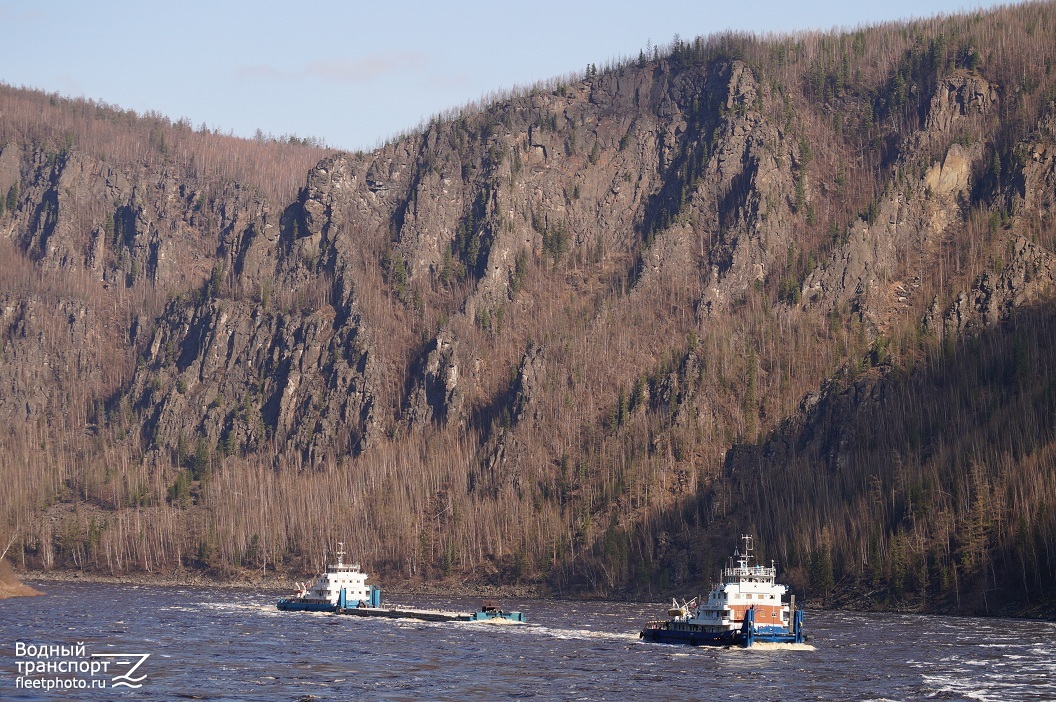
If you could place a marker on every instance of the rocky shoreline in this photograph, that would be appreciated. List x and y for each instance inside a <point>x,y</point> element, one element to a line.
<point>12,586</point>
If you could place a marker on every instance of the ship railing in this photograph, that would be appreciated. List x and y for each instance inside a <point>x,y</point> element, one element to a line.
<point>763,571</point>
<point>344,568</point>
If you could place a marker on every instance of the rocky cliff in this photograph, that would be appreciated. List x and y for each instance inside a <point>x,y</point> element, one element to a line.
<point>563,337</point>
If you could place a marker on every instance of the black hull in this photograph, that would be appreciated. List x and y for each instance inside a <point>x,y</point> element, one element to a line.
<point>694,638</point>
<point>294,604</point>
<point>431,615</point>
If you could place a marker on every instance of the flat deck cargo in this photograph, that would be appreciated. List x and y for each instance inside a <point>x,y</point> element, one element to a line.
<point>343,589</point>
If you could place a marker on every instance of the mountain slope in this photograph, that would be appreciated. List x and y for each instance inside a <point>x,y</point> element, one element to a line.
<point>578,336</point>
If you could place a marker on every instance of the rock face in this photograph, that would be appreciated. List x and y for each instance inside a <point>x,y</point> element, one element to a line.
<point>98,232</point>
<point>871,272</point>
<point>579,173</point>
<point>527,335</point>
<point>1037,154</point>
<point>1027,279</point>
<point>245,376</point>
<point>86,215</point>
<point>681,170</point>
<point>438,396</point>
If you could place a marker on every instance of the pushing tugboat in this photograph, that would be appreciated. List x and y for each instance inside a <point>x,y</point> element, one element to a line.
<point>343,589</point>
<point>746,607</point>
<point>342,585</point>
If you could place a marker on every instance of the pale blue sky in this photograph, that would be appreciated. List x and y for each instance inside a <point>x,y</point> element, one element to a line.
<point>355,73</point>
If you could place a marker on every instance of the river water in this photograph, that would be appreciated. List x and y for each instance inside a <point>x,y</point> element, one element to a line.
<point>234,645</point>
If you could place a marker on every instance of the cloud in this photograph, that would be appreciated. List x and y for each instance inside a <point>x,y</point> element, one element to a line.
<point>365,69</point>
<point>359,70</point>
<point>260,72</point>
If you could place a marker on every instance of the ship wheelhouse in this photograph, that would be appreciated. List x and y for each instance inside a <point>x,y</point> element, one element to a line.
<point>338,576</point>
<point>743,585</point>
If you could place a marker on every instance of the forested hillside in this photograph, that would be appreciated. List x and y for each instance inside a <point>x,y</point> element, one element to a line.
<point>578,337</point>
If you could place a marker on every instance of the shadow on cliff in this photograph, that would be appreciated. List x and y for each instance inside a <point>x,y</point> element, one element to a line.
<point>922,483</point>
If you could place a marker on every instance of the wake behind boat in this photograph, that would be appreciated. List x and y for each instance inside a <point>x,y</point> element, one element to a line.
<point>744,608</point>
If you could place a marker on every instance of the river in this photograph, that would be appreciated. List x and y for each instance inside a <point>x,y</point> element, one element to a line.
<point>228,644</point>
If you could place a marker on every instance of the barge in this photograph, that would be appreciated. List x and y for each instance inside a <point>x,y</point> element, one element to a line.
<point>487,613</point>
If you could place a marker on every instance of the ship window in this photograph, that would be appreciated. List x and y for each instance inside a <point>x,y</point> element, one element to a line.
<point>749,597</point>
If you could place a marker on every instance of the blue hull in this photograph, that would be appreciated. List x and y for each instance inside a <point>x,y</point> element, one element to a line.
<point>673,632</point>
<point>727,638</point>
<point>296,604</point>
<point>484,615</point>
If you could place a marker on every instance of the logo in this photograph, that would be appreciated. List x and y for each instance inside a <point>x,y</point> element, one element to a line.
<point>134,660</point>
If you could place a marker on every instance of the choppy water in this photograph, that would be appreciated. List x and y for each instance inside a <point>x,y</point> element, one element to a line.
<point>234,645</point>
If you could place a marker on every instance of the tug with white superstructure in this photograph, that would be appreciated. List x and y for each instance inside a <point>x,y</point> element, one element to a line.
<point>746,606</point>
<point>343,589</point>
<point>342,584</point>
